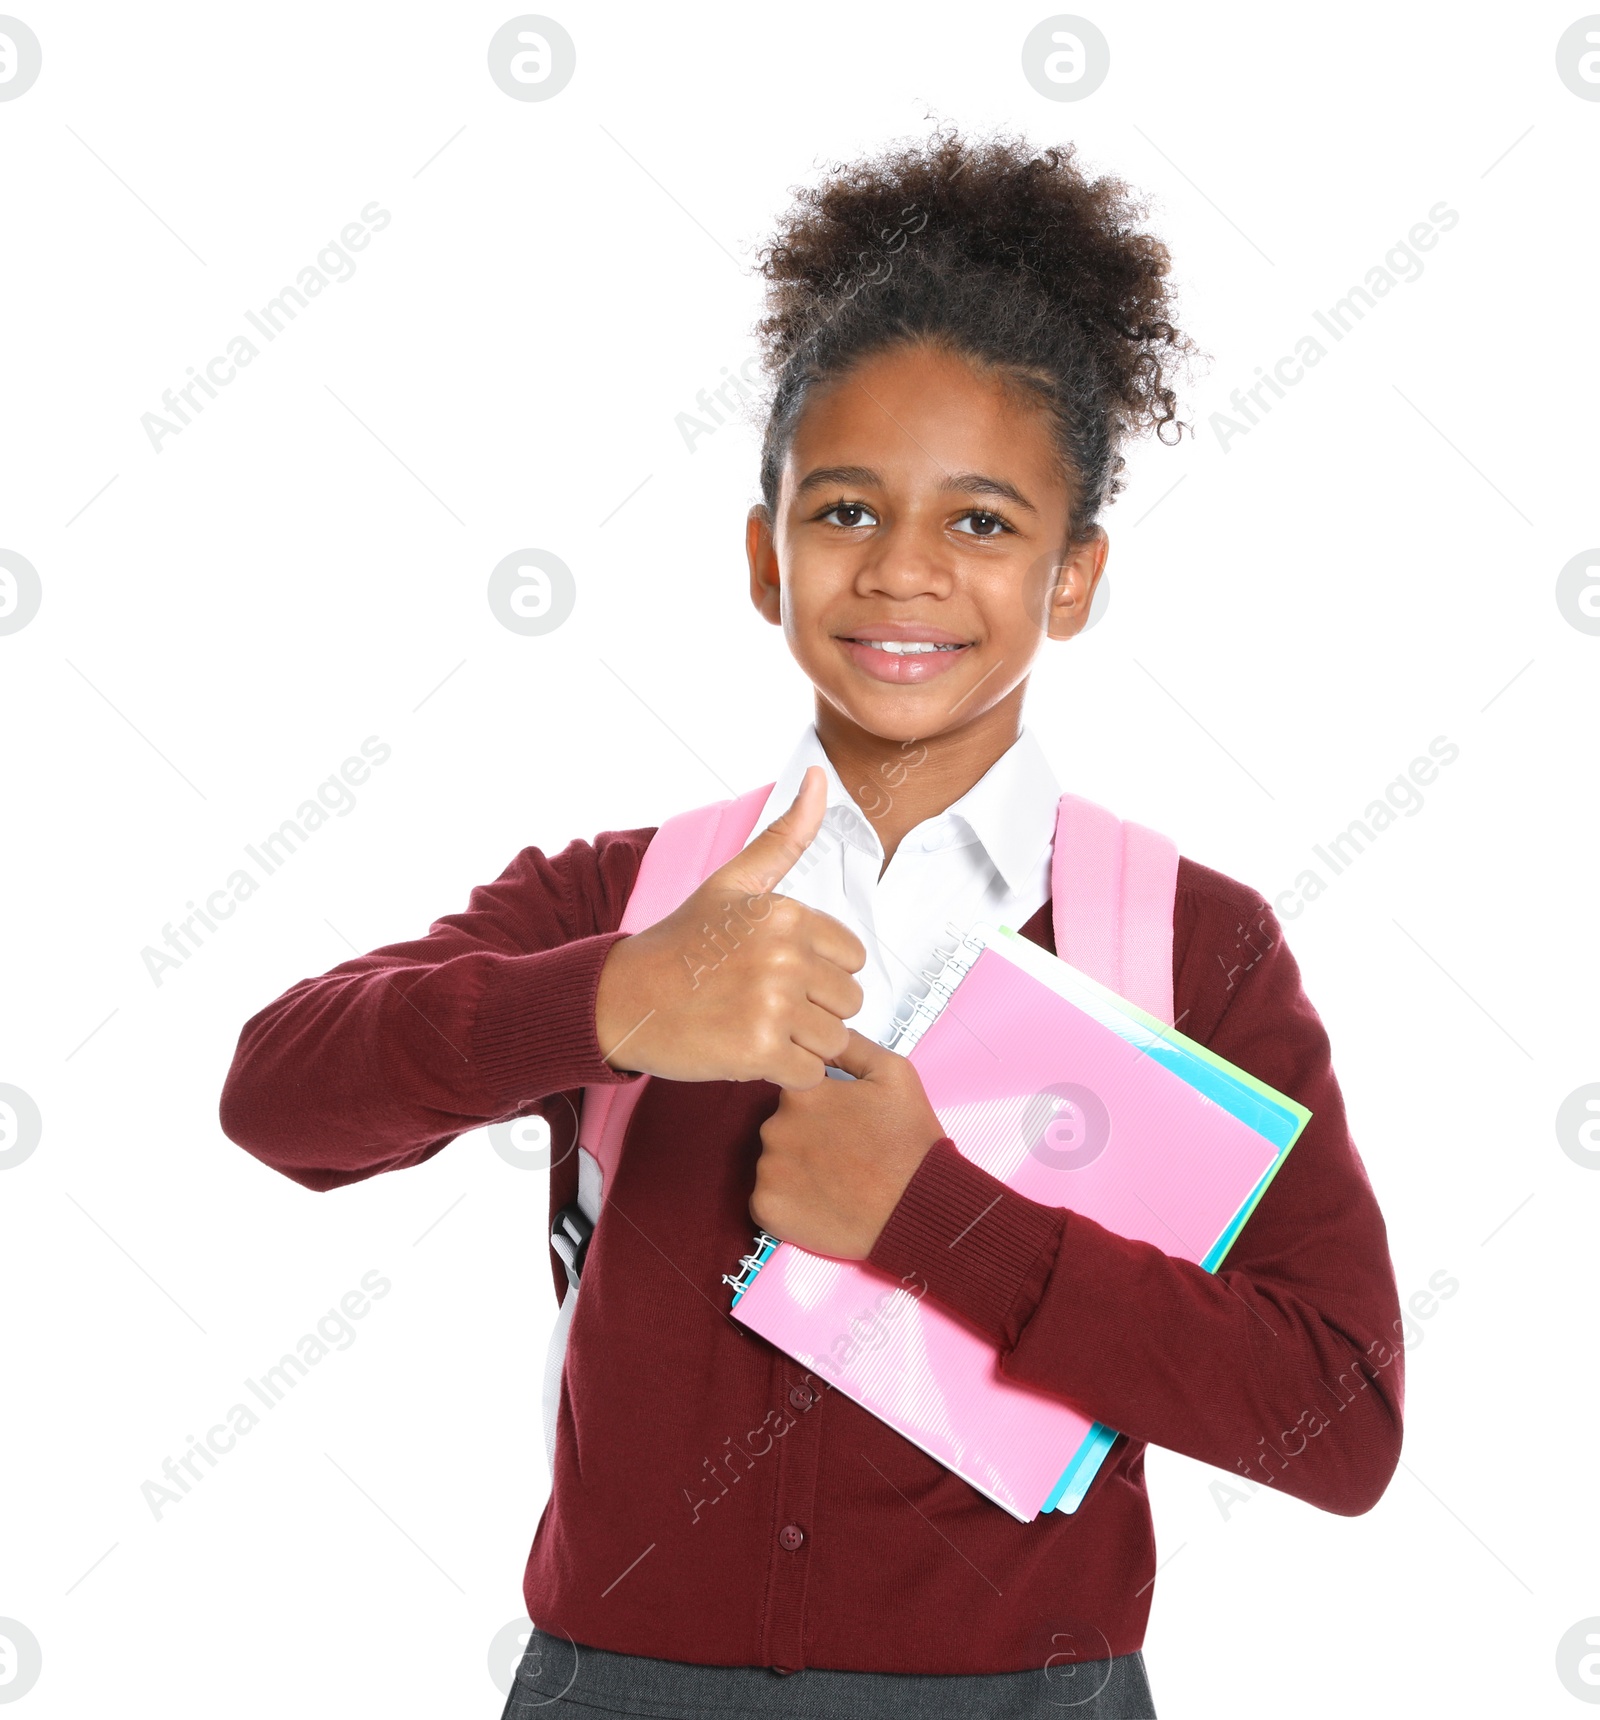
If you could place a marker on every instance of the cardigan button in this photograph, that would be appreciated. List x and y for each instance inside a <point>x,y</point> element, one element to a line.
<point>790,1537</point>
<point>801,1397</point>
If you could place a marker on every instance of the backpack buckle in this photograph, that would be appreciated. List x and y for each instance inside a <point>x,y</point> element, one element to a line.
<point>569,1237</point>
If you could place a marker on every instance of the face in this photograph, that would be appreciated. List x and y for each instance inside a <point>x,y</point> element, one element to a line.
<point>922,505</point>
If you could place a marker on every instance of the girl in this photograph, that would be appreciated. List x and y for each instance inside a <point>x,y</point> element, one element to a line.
<point>960,338</point>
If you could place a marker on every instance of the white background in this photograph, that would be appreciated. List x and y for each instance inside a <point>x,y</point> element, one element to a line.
<point>1292,620</point>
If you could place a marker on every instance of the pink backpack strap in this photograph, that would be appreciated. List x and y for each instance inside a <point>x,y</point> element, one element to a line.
<point>682,854</point>
<point>1112,886</point>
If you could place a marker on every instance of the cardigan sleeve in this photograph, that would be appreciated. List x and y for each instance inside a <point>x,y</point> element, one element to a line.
<point>382,1061</point>
<point>1286,1365</point>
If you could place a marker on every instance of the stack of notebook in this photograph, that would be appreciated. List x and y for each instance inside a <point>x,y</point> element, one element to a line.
<point>1074,1097</point>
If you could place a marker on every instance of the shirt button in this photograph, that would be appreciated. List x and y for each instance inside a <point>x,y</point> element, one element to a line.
<point>790,1536</point>
<point>800,1397</point>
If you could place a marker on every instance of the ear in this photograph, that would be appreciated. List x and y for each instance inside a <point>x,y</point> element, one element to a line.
<point>1075,577</point>
<point>762,553</point>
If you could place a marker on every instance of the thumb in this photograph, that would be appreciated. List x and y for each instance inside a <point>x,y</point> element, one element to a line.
<point>862,1057</point>
<point>769,857</point>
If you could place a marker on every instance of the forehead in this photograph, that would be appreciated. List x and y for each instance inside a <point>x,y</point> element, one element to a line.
<point>914,414</point>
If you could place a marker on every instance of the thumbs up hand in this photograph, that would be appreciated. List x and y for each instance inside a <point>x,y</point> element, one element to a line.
<point>767,1001</point>
<point>836,1157</point>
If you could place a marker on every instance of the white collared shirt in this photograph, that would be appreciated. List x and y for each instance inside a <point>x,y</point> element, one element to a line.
<point>986,857</point>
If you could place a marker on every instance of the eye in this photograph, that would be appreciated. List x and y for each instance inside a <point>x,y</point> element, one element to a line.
<point>856,509</point>
<point>984,523</point>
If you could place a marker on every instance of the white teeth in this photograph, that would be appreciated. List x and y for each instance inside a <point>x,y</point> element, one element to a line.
<point>902,647</point>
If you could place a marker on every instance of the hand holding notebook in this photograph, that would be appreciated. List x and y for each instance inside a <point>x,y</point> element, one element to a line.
<point>1073,1097</point>
<point>837,1156</point>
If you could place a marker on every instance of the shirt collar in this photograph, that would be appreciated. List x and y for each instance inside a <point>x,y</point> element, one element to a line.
<point>1010,810</point>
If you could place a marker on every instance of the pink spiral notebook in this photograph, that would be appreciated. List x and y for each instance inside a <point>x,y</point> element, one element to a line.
<point>1074,1097</point>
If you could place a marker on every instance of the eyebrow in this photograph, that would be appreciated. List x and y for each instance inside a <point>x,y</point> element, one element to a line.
<point>967,483</point>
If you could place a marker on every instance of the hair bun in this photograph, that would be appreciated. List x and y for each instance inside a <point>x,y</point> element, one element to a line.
<point>1009,254</point>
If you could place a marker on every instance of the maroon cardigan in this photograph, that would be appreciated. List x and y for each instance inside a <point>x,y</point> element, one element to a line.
<point>712,1501</point>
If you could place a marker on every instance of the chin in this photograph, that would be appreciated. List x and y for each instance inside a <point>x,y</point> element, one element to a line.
<point>905,715</point>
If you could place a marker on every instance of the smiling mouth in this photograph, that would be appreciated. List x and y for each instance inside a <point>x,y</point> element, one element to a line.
<point>903,662</point>
<point>902,647</point>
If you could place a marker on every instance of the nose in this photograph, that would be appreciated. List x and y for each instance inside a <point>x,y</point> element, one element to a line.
<point>905,562</point>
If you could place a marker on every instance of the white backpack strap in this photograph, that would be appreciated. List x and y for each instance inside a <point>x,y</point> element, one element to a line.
<point>1112,886</point>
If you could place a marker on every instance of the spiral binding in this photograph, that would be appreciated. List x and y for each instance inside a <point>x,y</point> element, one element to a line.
<point>943,978</point>
<point>941,985</point>
<point>750,1264</point>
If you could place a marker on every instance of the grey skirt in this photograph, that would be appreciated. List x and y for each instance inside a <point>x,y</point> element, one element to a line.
<point>557,1678</point>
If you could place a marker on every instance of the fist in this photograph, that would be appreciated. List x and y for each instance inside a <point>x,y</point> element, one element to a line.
<point>739,983</point>
<point>836,1157</point>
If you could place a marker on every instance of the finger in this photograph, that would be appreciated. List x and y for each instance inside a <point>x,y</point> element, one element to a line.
<point>832,989</point>
<point>832,939</point>
<point>769,857</point>
<point>797,1069</point>
<point>861,1057</point>
<point>820,1032</point>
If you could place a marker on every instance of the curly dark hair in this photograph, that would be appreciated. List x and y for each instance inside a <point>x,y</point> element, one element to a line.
<point>1010,257</point>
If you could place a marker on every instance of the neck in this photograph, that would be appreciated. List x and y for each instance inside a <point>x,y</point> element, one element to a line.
<point>897,784</point>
